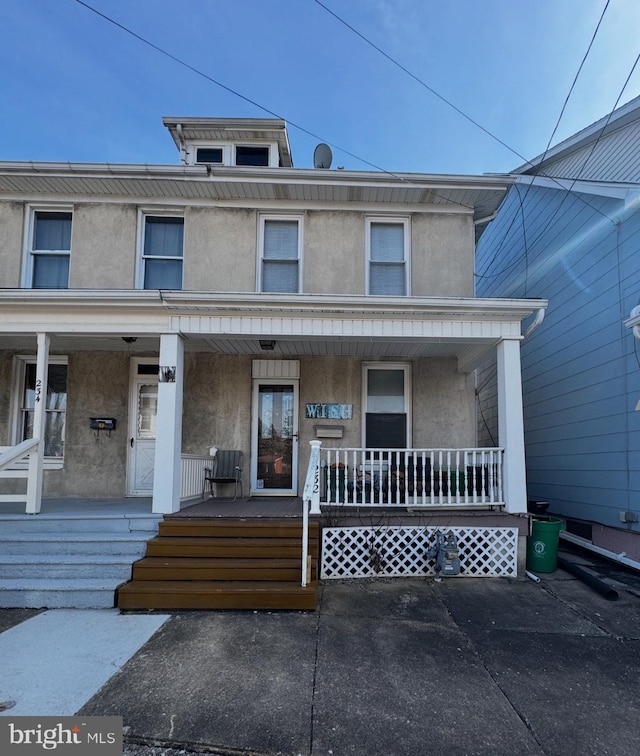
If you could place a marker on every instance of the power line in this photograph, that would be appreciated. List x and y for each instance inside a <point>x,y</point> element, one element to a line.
<point>420,81</point>
<point>256,104</point>
<point>448,102</point>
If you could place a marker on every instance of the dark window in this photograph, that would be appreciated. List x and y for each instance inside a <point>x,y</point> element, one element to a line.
<point>252,155</point>
<point>209,155</point>
<point>386,430</point>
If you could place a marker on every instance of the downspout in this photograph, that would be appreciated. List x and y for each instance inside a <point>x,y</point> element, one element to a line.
<point>622,558</point>
<point>538,319</point>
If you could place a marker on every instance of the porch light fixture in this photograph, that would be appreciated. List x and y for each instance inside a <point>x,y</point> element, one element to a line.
<point>267,346</point>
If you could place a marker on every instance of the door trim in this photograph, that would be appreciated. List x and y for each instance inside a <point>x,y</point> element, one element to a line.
<point>255,389</point>
<point>134,380</point>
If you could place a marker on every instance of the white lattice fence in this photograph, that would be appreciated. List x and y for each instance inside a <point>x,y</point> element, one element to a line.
<point>401,551</point>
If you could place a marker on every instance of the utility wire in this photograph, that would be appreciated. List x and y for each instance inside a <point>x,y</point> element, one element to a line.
<point>448,102</point>
<point>258,105</point>
<point>420,81</point>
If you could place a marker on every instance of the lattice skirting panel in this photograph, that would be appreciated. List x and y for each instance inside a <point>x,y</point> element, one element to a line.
<point>401,551</point>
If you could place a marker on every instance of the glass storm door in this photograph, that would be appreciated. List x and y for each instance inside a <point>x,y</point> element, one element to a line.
<point>275,437</point>
<point>142,435</point>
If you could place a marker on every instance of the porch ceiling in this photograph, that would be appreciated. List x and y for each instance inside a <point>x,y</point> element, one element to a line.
<point>283,348</point>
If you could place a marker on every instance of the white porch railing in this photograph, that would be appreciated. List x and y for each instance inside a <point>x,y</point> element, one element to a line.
<point>192,474</point>
<point>19,462</point>
<point>462,478</point>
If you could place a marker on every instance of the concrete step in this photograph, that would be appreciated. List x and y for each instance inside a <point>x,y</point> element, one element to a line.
<point>70,523</point>
<point>79,593</point>
<point>93,566</point>
<point>38,544</point>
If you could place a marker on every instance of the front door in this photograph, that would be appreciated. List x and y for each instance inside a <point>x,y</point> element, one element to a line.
<point>274,456</point>
<point>142,429</point>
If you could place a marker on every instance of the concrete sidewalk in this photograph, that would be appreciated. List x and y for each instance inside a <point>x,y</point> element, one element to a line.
<point>394,667</point>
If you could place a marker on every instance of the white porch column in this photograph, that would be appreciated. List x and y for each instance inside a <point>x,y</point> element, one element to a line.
<point>167,466</point>
<point>36,458</point>
<point>511,425</point>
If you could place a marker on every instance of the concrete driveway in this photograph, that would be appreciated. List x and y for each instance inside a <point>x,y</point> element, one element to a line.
<point>395,667</point>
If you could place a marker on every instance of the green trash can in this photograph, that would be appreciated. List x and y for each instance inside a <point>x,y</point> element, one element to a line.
<point>542,546</point>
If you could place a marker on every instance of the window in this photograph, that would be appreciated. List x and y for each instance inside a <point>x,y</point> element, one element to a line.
<point>246,155</point>
<point>56,403</point>
<point>388,255</point>
<point>162,247</point>
<point>209,155</point>
<point>50,249</point>
<point>280,255</point>
<point>386,393</point>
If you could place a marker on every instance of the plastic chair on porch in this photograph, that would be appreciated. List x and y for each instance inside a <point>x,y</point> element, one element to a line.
<point>226,469</point>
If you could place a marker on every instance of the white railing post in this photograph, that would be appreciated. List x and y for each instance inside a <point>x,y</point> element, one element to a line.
<point>310,500</point>
<point>36,457</point>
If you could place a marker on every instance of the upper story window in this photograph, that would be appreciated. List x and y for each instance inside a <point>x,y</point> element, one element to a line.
<point>280,253</point>
<point>249,155</point>
<point>388,255</point>
<point>263,155</point>
<point>47,261</point>
<point>162,252</point>
<point>209,155</point>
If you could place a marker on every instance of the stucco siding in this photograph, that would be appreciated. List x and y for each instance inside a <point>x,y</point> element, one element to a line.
<point>334,253</point>
<point>103,247</point>
<point>220,249</point>
<point>11,243</point>
<point>442,255</point>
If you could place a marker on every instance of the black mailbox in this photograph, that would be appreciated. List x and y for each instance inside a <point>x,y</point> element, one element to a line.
<point>102,423</point>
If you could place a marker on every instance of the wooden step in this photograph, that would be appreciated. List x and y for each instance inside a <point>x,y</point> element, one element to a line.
<point>214,527</point>
<point>227,547</point>
<point>201,594</point>
<point>201,568</point>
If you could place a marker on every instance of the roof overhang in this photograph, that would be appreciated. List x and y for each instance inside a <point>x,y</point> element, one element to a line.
<point>194,129</point>
<point>189,185</point>
<point>313,325</point>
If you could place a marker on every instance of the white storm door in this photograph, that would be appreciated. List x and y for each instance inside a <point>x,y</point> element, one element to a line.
<point>274,447</point>
<point>142,435</point>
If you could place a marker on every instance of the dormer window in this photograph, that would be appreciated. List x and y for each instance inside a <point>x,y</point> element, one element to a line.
<point>250,155</point>
<point>209,155</point>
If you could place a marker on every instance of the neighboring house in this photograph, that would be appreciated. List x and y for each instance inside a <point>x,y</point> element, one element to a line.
<point>234,301</point>
<point>569,231</point>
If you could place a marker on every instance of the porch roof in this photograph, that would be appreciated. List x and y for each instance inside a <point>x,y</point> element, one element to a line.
<point>315,325</point>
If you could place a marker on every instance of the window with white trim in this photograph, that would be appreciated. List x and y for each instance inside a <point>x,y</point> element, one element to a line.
<point>280,254</point>
<point>47,264</point>
<point>161,252</point>
<point>55,407</point>
<point>386,393</point>
<point>387,256</point>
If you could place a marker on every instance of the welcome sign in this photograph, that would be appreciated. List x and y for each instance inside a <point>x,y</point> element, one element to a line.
<point>321,411</point>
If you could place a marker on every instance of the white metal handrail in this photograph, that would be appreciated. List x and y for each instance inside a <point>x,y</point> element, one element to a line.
<point>417,477</point>
<point>310,502</point>
<point>25,450</point>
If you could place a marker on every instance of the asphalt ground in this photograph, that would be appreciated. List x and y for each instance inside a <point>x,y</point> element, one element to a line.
<point>394,667</point>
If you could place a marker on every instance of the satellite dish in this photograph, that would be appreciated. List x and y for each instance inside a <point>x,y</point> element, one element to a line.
<point>322,156</point>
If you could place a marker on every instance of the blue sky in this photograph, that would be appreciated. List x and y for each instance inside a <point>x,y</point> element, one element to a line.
<point>77,88</point>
